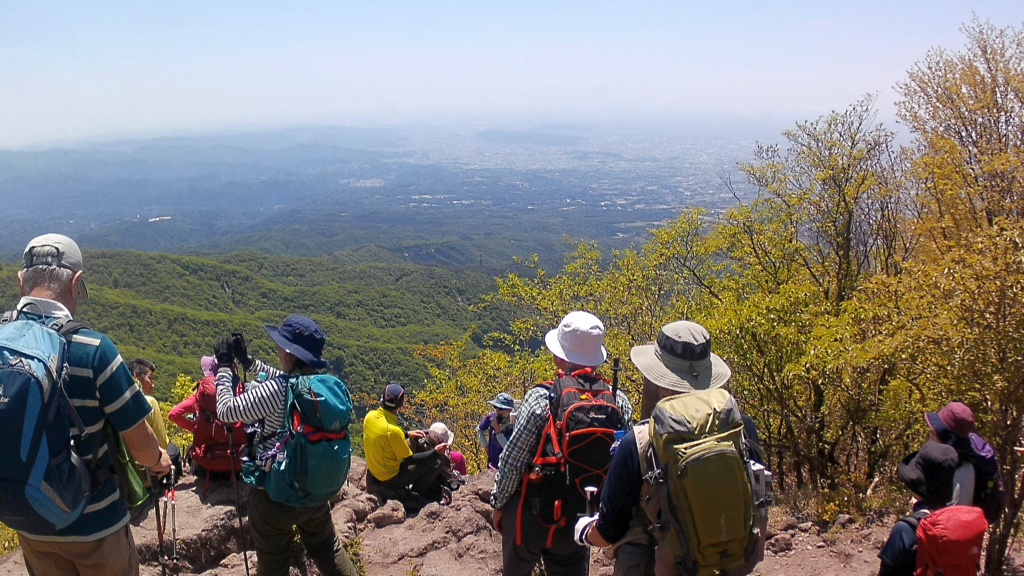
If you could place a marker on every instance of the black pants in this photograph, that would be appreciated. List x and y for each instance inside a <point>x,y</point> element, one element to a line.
<point>424,479</point>
<point>273,524</point>
<point>563,558</point>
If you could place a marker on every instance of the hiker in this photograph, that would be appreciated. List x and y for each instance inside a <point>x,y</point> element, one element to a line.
<point>217,447</point>
<point>691,380</point>
<point>395,472</point>
<point>300,343</point>
<point>498,426</point>
<point>538,490</point>
<point>952,535</point>
<point>458,461</point>
<point>142,371</point>
<point>457,458</point>
<point>978,480</point>
<point>104,397</point>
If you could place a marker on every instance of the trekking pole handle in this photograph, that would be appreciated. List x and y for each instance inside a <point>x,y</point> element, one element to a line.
<point>591,500</point>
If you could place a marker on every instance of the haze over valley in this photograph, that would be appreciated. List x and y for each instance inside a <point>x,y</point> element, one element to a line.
<point>464,196</point>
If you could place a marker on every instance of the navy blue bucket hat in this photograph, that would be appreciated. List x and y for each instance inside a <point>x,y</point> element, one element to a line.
<point>300,337</point>
<point>503,401</point>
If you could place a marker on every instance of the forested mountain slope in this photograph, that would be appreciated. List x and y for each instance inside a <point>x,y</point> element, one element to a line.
<point>172,309</point>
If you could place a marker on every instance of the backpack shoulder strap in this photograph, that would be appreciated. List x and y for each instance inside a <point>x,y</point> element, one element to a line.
<point>70,328</point>
<point>650,497</point>
<point>914,520</point>
<point>642,432</point>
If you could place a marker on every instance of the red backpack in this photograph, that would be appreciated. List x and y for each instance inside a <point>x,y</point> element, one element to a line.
<point>213,440</point>
<point>574,451</point>
<point>949,541</point>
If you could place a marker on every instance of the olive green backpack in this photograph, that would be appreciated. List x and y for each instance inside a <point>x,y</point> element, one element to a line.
<point>701,471</point>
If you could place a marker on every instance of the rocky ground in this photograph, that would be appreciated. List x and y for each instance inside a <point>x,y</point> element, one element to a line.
<point>445,540</point>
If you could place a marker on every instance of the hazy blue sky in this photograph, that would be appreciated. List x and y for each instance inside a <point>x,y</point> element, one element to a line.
<point>89,68</point>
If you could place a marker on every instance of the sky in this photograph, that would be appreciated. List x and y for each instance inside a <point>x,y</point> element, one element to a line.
<point>91,69</point>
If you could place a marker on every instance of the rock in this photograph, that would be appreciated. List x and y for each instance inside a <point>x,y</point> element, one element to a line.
<point>844,520</point>
<point>789,523</point>
<point>392,513</point>
<point>781,543</point>
<point>820,544</point>
<point>805,527</point>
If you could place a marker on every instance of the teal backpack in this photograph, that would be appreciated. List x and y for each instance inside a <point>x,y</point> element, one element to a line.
<point>315,455</point>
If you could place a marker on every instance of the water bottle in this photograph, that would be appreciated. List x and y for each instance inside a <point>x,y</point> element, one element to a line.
<point>618,438</point>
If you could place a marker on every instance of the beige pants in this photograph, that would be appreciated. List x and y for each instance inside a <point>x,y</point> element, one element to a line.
<point>114,555</point>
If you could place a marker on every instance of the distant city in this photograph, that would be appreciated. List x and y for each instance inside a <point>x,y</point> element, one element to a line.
<point>447,196</point>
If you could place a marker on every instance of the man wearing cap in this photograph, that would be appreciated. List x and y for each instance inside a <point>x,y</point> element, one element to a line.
<point>395,472</point>
<point>300,344</point>
<point>498,428</point>
<point>978,480</point>
<point>576,344</point>
<point>928,474</point>
<point>680,361</point>
<point>100,387</point>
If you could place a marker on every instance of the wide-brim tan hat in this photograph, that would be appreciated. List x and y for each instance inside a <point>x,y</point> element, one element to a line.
<point>681,359</point>
<point>579,339</point>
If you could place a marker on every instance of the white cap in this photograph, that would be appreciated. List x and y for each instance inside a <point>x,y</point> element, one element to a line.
<point>579,339</point>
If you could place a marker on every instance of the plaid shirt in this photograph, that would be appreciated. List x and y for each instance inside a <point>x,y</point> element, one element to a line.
<point>522,446</point>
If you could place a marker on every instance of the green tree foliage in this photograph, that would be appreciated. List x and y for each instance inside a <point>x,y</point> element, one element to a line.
<point>172,309</point>
<point>960,323</point>
<point>864,285</point>
<point>184,386</point>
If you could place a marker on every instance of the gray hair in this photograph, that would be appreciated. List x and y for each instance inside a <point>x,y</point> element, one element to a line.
<point>54,279</point>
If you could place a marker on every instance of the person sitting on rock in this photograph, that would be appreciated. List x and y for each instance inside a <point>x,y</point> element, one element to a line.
<point>457,458</point>
<point>928,474</point>
<point>395,472</point>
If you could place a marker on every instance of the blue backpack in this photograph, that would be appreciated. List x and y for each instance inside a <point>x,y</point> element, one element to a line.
<point>44,485</point>
<point>314,457</point>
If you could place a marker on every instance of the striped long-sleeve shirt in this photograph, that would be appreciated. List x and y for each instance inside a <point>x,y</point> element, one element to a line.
<point>261,403</point>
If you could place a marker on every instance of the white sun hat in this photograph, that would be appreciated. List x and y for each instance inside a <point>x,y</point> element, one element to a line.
<point>579,339</point>
<point>442,430</point>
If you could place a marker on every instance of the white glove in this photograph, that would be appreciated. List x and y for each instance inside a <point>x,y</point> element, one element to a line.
<point>582,527</point>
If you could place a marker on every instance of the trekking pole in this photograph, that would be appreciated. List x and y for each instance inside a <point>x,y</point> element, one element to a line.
<point>616,368</point>
<point>155,490</point>
<point>163,526</point>
<point>174,521</point>
<point>591,504</point>
<point>238,500</point>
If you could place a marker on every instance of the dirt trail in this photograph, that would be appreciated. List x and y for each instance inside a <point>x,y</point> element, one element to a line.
<point>445,540</point>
